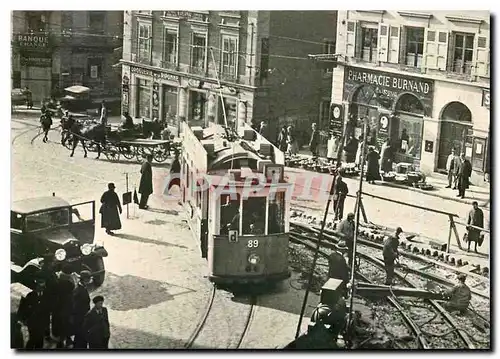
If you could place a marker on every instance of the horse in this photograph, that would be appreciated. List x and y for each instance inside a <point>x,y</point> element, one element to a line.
<point>94,133</point>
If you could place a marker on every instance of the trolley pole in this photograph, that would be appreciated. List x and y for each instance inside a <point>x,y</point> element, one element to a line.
<point>356,226</point>
<point>126,185</point>
<point>318,243</point>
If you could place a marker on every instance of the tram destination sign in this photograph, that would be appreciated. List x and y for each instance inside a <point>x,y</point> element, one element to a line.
<point>385,88</point>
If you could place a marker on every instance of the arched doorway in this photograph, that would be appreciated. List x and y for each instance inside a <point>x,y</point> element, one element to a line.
<point>456,125</point>
<point>363,104</point>
<point>407,128</point>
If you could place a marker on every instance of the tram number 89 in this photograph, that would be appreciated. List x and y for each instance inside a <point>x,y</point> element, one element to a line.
<point>253,243</point>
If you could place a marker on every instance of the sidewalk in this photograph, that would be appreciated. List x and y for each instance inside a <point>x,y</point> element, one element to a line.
<point>439,182</point>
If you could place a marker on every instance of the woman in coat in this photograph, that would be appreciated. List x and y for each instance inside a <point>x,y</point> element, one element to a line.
<point>110,210</point>
<point>291,141</point>
<point>146,184</point>
<point>372,167</point>
<point>282,145</point>
<point>386,157</point>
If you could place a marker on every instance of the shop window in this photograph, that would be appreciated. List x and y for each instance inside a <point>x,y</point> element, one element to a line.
<point>144,42</point>
<point>143,98</point>
<point>231,109</point>
<point>229,62</point>
<point>324,114</point>
<point>170,46</point>
<point>276,215</point>
<point>462,52</point>
<point>96,22</point>
<point>414,46</point>
<point>369,44</point>
<point>197,106</point>
<point>410,126</point>
<point>95,68</point>
<point>254,216</point>
<point>169,104</point>
<point>229,213</point>
<point>199,51</point>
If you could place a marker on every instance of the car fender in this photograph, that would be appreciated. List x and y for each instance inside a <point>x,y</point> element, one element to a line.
<point>100,251</point>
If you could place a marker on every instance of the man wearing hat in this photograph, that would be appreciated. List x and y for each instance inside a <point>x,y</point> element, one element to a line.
<point>340,193</point>
<point>476,219</point>
<point>81,306</point>
<point>146,183</point>
<point>96,325</point>
<point>34,311</point>
<point>459,296</point>
<point>390,252</point>
<point>346,227</point>
<point>110,210</point>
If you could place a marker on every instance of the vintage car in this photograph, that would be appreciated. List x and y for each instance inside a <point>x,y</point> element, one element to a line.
<point>51,227</point>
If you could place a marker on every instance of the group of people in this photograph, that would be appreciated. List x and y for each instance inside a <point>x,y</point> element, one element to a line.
<point>58,308</point>
<point>459,170</point>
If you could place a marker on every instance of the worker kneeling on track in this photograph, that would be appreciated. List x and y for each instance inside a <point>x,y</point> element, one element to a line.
<point>326,325</point>
<point>459,296</point>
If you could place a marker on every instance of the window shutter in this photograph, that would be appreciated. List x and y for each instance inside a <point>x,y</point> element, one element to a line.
<point>351,38</point>
<point>431,49</point>
<point>359,41</point>
<point>402,45</point>
<point>442,49</point>
<point>383,42</point>
<point>481,56</point>
<point>394,35</point>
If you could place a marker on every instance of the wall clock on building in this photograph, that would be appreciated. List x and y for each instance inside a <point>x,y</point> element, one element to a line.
<point>336,112</point>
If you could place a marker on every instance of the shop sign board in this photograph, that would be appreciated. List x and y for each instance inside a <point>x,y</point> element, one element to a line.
<point>336,119</point>
<point>32,42</point>
<point>387,87</point>
<point>486,98</point>
<point>154,74</point>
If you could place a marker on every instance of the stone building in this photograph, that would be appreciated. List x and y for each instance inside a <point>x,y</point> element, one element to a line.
<point>52,50</point>
<point>173,62</point>
<point>422,78</point>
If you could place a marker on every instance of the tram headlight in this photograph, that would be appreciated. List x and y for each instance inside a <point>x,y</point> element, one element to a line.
<point>253,259</point>
<point>60,254</point>
<point>86,249</point>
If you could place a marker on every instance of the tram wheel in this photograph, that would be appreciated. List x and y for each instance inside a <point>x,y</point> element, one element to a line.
<point>127,152</point>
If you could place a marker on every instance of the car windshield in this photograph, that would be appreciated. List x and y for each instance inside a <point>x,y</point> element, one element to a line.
<point>47,220</point>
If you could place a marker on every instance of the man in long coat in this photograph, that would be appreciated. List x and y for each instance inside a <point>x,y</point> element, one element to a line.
<point>63,306</point>
<point>475,218</point>
<point>340,193</point>
<point>34,311</point>
<point>146,184</point>
<point>390,253</point>
<point>110,210</point>
<point>464,172</point>
<point>372,166</point>
<point>314,141</point>
<point>96,325</point>
<point>81,306</point>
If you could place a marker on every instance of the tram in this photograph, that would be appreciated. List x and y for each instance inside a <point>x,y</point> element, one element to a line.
<point>237,201</point>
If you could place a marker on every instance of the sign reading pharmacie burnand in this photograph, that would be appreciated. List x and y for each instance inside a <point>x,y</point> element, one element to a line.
<point>382,89</point>
<point>154,74</point>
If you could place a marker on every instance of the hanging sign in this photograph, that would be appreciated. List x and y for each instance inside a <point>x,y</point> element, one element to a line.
<point>336,120</point>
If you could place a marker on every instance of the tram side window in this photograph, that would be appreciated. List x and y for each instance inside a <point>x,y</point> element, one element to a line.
<point>276,216</point>
<point>254,215</point>
<point>229,213</point>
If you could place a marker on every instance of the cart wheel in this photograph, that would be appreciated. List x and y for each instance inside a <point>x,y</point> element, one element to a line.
<point>112,153</point>
<point>140,154</point>
<point>160,155</point>
<point>127,151</point>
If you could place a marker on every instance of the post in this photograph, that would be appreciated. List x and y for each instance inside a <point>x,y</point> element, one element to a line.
<point>126,185</point>
<point>356,226</point>
<point>457,236</point>
<point>449,236</point>
<point>363,212</point>
<point>318,246</point>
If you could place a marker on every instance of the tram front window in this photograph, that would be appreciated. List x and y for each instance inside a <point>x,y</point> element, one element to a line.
<point>229,214</point>
<point>254,215</point>
<point>276,216</point>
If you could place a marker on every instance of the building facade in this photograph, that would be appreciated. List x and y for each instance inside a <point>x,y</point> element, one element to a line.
<point>199,65</point>
<point>52,50</point>
<point>421,78</point>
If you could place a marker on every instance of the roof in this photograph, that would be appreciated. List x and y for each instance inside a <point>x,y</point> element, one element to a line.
<point>235,152</point>
<point>31,205</point>
<point>77,89</point>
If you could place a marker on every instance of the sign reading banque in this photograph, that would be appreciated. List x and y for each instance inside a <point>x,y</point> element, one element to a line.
<point>387,87</point>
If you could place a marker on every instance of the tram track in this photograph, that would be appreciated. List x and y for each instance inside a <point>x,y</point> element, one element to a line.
<point>461,337</point>
<point>217,324</point>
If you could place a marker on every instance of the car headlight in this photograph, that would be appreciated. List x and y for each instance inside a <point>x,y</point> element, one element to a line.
<point>253,259</point>
<point>86,249</point>
<point>60,254</point>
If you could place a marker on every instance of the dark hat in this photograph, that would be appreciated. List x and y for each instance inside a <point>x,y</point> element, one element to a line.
<point>111,185</point>
<point>461,277</point>
<point>97,299</point>
<point>85,274</point>
<point>350,215</point>
<point>399,230</point>
<point>475,203</point>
